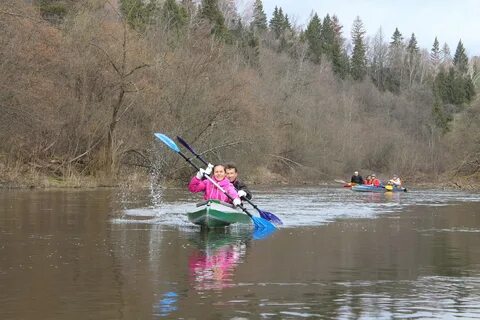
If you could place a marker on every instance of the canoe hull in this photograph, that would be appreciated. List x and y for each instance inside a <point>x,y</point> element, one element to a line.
<point>364,188</point>
<point>217,214</point>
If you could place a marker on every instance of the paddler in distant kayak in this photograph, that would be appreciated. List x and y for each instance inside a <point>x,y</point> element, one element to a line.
<point>368,180</point>
<point>395,181</point>
<point>356,178</point>
<point>375,182</point>
<point>211,192</point>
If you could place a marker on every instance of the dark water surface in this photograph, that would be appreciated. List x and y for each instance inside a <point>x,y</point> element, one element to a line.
<point>110,254</point>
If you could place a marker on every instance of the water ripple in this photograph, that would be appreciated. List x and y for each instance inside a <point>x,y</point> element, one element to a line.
<point>304,206</point>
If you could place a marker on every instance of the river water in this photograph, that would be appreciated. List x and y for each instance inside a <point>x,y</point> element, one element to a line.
<point>119,254</point>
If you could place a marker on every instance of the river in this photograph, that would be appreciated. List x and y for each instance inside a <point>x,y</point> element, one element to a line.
<point>123,254</point>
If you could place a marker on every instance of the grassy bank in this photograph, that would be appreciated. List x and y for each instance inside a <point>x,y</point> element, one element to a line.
<point>31,178</point>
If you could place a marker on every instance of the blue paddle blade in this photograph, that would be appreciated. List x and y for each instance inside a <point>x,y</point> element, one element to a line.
<point>262,224</point>
<point>270,217</point>
<point>169,142</point>
<point>262,233</point>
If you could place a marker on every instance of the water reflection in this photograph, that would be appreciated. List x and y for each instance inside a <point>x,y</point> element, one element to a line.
<point>166,305</point>
<point>218,252</point>
<point>373,197</point>
<point>67,255</point>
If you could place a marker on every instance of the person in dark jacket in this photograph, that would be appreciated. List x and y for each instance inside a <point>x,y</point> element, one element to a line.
<point>232,175</point>
<point>356,178</point>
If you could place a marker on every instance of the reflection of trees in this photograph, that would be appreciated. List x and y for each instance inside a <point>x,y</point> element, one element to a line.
<point>212,265</point>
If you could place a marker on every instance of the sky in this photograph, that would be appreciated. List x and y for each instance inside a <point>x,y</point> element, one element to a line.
<point>449,20</point>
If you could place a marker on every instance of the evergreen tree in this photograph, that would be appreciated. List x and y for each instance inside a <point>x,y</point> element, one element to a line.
<point>440,118</point>
<point>286,23</point>
<point>286,35</point>
<point>396,51</point>
<point>209,11</point>
<point>454,88</point>
<point>277,22</point>
<point>412,47</point>
<point>175,15</point>
<point>412,59</point>
<point>435,57</point>
<point>137,13</point>
<point>247,43</point>
<point>397,39</point>
<point>259,23</point>
<point>460,59</point>
<point>469,88</point>
<point>53,10</point>
<point>441,86</point>
<point>282,29</point>
<point>359,60</point>
<point>313,36</point>
<point>327,37</point>
<point>339,55</point>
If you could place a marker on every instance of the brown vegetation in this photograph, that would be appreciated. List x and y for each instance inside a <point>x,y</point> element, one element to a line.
<point>83,98</point>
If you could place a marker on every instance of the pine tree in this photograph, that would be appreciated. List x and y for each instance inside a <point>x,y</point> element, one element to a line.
<point>286,34</point>
<point>460,59</point>
<point>175,15</point>
<point>412,59</point>
<point>453,87</point>
<point>328,36</point>
<point>440,118</point>
<point>435,57</point>
<point>412,47</point>
<point>259,23</point>
<point>313,37</point>
<point>138,13</point>
<point>359,60</point>
<point>469,88</point>
<point>396,51</point>
<point>277,21</point>
<point>286,23</point>
<point>339,54</point>
<point>53,10</point>
<point>397,39</point>
<point>209,11</point>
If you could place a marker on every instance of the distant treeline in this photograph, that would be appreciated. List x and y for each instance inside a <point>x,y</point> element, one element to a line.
<point>86,83</point>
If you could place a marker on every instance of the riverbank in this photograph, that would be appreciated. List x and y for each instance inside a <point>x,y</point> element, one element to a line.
<point>35,180</point>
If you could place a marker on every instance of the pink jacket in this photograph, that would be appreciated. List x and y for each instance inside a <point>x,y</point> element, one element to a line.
<point>212,192</point>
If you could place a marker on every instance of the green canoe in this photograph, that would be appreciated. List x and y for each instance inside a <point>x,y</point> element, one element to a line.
<point>214,214</point>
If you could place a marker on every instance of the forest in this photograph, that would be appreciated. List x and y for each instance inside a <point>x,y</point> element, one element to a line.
<point>85,84</point>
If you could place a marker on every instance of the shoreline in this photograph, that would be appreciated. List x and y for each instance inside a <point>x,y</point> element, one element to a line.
<point>459,184</point>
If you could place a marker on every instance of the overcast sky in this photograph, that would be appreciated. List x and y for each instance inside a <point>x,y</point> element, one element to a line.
<point>449,20</point>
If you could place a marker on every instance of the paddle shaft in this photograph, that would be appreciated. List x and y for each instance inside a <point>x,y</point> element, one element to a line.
<point>186,145</point>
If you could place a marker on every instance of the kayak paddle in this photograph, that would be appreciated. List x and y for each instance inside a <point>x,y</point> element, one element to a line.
<point>259,223</point>
<point>264,214</point>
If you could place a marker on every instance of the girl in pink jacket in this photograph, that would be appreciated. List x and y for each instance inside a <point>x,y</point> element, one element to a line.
<point>211,192</point>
